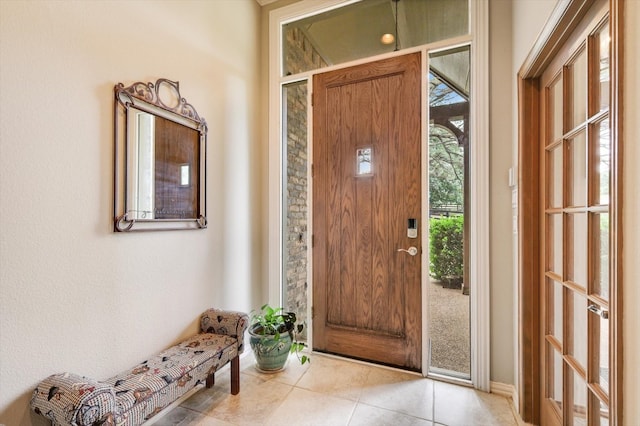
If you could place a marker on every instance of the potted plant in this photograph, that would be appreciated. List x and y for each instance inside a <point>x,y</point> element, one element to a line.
<point>273,335</point>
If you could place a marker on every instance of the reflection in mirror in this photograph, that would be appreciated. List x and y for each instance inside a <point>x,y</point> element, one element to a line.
<point>160,159</point>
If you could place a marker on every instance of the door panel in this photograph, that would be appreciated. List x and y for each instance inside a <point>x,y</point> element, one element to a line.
<point>366,293</point>
<point>547,92</point>
<point>575,152</point>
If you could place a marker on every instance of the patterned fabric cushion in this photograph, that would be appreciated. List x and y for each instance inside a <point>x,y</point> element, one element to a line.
<point>144,390</point>
<point>231,323</point>
<point>139,393</point>
<point>72,399</point>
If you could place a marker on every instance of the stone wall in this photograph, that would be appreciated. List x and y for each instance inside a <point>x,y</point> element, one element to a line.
<point>295,293</point>
<point>299,53</point>
<point>300,56</point>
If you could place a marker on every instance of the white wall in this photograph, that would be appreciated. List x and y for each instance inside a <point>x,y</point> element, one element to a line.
<point>501,117</point>
<point>527,18</point>
<point>73,295</point>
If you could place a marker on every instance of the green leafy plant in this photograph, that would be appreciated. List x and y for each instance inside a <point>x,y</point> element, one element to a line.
<point>275,321</point>
<point>446,251</point>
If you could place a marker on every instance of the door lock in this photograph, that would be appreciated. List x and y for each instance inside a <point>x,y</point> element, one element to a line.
<point>412,228</point>
<point>598,311</point>
<point>411,250</point>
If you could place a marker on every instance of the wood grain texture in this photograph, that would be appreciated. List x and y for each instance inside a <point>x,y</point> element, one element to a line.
<point>529,230</point>
<point>366,294</point>
<point>578,212</point>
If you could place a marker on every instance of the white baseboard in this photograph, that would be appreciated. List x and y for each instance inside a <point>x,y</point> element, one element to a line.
<point>509,391</point>
<point>504,389</point>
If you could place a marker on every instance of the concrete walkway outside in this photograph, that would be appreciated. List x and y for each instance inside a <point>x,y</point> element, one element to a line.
<point>449,314</point>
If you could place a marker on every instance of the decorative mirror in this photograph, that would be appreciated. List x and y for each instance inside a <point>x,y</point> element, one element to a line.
<point>160,159</point>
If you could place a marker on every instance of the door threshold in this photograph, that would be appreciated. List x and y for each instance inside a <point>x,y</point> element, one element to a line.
<point>449,376</point>
<point>367,363</point>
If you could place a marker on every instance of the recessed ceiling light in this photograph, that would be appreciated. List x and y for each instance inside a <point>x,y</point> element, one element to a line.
<point>387,38</point>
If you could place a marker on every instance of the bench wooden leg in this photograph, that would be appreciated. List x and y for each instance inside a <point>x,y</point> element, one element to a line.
<point>235,375</point>
<point>211,380</point>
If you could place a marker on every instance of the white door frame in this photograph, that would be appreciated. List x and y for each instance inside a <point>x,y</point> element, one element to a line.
<point>479,204</point>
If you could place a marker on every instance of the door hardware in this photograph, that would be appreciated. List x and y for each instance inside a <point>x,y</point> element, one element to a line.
<point>412,228</point>
<point>599,311</point>
<point>411,250</point>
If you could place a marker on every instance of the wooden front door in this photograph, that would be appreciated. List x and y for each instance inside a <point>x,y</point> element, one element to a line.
<point>366,193</point>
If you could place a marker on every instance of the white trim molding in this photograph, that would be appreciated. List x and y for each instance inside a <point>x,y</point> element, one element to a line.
<point>480,257</point>
<point>479,210</point>
<point>509,391</point>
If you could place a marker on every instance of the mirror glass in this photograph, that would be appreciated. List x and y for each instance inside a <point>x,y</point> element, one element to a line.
<point>160,159</point>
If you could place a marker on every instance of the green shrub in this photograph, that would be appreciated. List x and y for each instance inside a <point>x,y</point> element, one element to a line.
<point>446,246</point>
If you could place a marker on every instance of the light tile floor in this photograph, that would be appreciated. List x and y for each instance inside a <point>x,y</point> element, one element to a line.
<point>333,391</point>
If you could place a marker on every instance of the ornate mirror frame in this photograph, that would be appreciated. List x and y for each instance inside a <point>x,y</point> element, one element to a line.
<point>159,159</point>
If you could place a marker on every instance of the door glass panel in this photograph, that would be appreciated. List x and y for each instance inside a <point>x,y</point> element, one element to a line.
<point>555,113</point>
<point>600,254</point>
<point>579,403</point>
<point>576,185</point>
<point>555,382</point>
<point>554,309</point>
<point>448,155</point>
<point>554,173</point>
<point>368,28</point>
<point>577,168</point>
<point>601,417</point>
<point>554,251</point>
<point>602,159</point>
<point>294,286</point>
<point>557,309</point>
<point>579,328</point>
<point>601,93</point>
<point>576,268</point>
<point>602,352</point>
<point>579,90</point>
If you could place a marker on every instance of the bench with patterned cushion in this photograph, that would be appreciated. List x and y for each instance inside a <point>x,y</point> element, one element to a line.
<point>139,393</point>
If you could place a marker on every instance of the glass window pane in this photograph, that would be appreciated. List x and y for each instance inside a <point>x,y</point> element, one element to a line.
<point>554,384</point>
<point>601,417</point>
<point>294,291</point>
<point>579,324</point>
<point>579,90</point>
<point>554,180</point>
<point>554,317</point>
<point>600,169</point>
<point>368,28</point>
<point>449,141</point>
<point>555,110</point>
<point>577,169</point>
<point>579,403</point>
<point>364,161</point>
<point>600,254</point>
<point>576,267</point>
<point>602,351</point>
<point>554,249</point>
<point>603,43</point>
